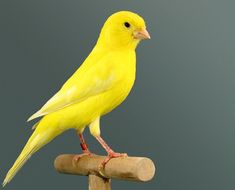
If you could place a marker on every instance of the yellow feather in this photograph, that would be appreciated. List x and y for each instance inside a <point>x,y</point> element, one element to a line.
<point>101,83</point>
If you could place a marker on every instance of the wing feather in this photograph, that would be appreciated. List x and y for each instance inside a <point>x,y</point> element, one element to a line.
<point>85,82</point>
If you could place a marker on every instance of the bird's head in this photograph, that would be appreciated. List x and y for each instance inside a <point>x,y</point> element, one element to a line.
<point>123,29</point>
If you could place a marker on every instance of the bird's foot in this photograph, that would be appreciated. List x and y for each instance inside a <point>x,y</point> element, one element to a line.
<point>108,158</point>
<point>78,156</point>
<point>85,150</point>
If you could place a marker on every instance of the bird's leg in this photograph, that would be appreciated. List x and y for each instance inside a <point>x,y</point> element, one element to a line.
<point>83,143</point>
<point>95,131</point>
<point>111,153</point>
<point>84,147</point>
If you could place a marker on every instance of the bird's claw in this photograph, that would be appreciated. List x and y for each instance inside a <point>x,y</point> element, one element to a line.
<point>112,155</point>
<point>108,158</point>
<point>78,156</point>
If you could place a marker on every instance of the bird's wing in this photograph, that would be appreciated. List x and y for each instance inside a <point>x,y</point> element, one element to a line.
<point>87,81</point>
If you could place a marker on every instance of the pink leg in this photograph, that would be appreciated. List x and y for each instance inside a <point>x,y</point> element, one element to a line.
<point>111,153</point>
<point>84,147</point>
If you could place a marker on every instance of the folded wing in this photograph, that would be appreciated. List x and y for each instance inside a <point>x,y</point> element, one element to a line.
<point>87,81</point>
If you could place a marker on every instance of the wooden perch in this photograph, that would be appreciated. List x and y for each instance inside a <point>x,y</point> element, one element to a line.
<point>124,168</point>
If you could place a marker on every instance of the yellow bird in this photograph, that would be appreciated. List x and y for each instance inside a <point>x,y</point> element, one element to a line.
<point>101,83</point>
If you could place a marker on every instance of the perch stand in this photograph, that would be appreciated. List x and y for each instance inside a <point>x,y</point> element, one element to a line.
<point>124,168</point>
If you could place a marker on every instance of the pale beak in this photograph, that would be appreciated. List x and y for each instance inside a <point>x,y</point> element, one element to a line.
<point>141,34</point>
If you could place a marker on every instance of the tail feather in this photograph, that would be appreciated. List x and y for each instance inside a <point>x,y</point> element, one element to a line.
<point>41,136</point>
<point>17,166</point>
<point>31,147</point>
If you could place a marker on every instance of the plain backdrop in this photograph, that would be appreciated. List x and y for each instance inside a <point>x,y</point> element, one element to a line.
<point>180,112</point>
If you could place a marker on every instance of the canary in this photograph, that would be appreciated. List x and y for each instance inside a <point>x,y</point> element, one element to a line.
<point>99,85</point>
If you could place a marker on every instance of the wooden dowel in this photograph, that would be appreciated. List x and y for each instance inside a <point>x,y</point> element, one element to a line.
<point>125,168</point>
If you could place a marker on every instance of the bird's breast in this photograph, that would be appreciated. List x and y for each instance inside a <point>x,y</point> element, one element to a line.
<point>119,92</point>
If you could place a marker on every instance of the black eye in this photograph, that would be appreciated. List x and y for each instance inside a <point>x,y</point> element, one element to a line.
<point>127,24</point>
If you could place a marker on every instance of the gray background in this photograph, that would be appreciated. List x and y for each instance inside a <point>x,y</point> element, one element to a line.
<point>180,112</point>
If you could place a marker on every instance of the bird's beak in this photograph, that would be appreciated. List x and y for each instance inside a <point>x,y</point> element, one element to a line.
<point>141,34</point>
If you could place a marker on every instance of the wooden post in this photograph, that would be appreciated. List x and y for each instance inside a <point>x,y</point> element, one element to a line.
<point>97,182</point>
<point>124,168</point>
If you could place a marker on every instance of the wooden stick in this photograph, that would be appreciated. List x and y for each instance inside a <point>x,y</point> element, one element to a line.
<point>99,183</point>
<point>125,168</point>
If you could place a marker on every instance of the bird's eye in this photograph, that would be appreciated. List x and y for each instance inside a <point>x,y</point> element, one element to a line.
<point>127,24</point>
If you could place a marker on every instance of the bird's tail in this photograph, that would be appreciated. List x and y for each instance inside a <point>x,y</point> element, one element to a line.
<point>41,136</point>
